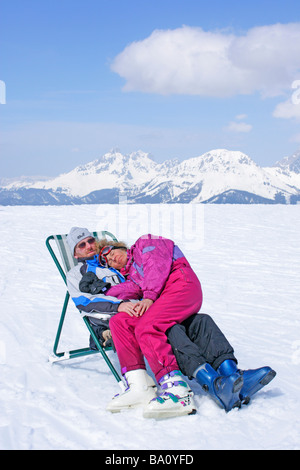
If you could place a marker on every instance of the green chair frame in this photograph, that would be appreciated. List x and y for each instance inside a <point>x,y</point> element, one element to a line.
<point>67,263</point>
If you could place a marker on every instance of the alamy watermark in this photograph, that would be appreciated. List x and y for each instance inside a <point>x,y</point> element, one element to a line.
<point>2,353</point>
<point>2,92</point>
<point>296,94</point>
<point>296,352</point>
<point>182,223</point>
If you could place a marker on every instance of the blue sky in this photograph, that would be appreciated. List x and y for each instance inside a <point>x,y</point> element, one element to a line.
<point>173,78</point>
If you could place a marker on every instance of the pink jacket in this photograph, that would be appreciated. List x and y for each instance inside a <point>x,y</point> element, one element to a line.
<point>149,264</point>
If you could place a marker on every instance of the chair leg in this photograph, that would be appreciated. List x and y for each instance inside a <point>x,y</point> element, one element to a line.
<point>102,351</point>
<point>62,356</point>
<point>60,325</point>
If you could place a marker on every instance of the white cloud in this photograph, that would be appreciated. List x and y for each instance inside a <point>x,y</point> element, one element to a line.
<point>238,127</point>
<point>240,117</point>
<point>296,138</point>
<point>189,60</point>
<point>287,110</point>
<point>290,109</point>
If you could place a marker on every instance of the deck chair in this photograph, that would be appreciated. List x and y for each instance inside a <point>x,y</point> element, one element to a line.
<point>67,261</point>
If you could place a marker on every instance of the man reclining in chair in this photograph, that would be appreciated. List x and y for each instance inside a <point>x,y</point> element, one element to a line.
<point>88,282</point>
<point>197,343</point>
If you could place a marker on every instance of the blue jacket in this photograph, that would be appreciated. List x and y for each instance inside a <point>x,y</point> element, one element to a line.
<point>88,303</point>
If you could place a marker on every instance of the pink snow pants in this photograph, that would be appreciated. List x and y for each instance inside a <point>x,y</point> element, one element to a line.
<point>139,337</point>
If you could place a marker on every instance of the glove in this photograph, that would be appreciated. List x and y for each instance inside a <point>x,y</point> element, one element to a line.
<point>91,284</point>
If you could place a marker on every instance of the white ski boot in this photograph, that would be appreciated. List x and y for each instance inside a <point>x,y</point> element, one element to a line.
<point>140,390</point>
<point>178,402</point>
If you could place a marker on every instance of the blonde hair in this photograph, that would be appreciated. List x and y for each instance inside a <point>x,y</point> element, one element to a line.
<point>104,242</point>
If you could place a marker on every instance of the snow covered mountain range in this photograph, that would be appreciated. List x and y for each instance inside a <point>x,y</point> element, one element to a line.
<point>218,176</point>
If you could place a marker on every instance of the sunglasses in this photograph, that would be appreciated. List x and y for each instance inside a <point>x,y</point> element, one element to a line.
<point>103,254</point>
<point>82,245</point>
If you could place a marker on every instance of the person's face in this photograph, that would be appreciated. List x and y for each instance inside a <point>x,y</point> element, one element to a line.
<point>86,248</point>
<point>117,258</point>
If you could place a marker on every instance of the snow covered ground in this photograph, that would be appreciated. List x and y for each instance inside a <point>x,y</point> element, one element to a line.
<point>248,261</point>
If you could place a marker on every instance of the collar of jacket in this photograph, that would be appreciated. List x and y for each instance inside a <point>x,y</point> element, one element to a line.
<point>124,271</point>
<point>93,261</point>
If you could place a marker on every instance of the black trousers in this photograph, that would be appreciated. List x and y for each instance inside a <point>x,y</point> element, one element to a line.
<point>195,341</point>
<point>198,340</point>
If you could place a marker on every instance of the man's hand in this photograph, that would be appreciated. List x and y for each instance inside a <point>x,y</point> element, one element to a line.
<point>142,306</point>
<point>106,336</point>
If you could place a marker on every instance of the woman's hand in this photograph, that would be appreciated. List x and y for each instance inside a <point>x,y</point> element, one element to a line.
<point>142,306</point>
<point>128,307</point>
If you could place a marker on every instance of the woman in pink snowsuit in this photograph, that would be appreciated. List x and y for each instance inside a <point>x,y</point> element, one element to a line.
<point>158,272</point>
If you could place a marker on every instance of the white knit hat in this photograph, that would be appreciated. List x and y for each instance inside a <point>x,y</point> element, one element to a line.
<point>77,234</point>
